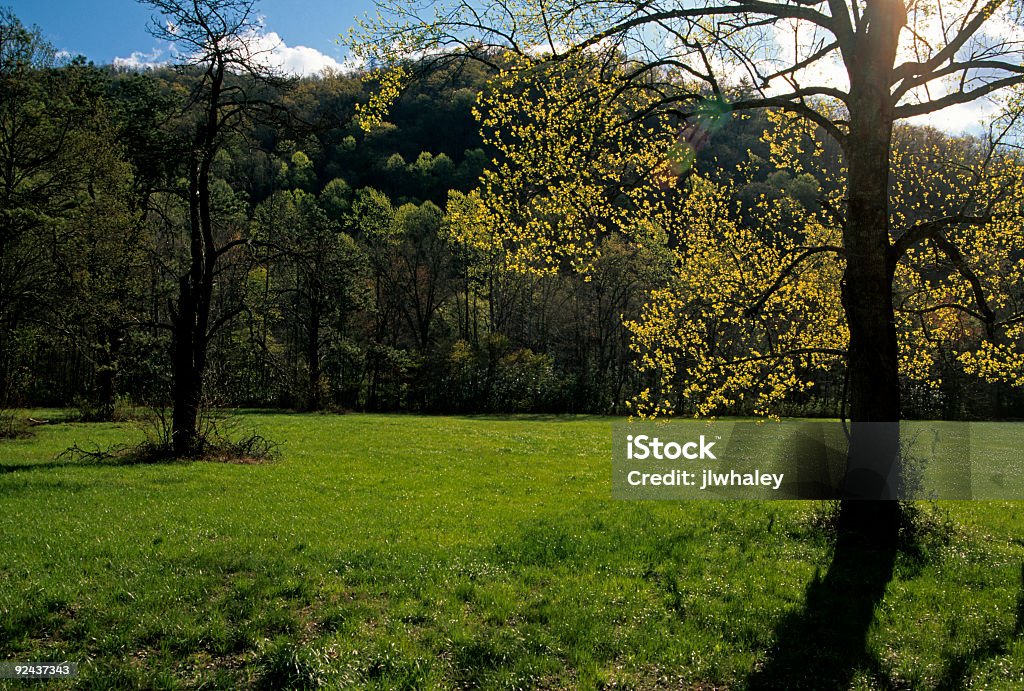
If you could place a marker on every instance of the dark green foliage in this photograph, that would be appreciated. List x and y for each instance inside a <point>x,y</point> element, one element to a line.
<point>343,287</point>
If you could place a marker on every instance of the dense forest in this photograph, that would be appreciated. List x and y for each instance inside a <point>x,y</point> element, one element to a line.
<point>334,280</point>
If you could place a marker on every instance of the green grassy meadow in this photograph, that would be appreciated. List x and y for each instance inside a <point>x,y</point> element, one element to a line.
<point>394,551</point>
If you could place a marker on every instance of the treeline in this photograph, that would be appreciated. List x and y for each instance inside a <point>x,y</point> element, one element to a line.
<point>342,288</point>
<point>338,284</point>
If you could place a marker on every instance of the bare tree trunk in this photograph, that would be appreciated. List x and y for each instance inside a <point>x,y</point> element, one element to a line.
<point>191,320</point>
<point>873,458</point>
<point>191,323</point>
<point>186,387</point>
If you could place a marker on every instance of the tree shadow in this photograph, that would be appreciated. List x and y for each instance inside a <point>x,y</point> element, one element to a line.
<point>97,458</point>
<point>958,671</point>
<point>824,644</point>
<point>1018,626</point>
<point>8,468</point>
<point>25,467</point>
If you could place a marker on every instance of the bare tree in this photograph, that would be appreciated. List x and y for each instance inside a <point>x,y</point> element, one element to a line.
<point>215,40</point>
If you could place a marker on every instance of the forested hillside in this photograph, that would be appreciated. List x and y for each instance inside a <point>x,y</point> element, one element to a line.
<point>337,279</point>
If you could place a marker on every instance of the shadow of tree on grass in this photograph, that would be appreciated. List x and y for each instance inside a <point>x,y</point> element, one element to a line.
<point>824,644</point>
<point>37,466</point>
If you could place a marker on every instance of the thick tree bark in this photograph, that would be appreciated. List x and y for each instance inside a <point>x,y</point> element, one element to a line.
<point>873,460</point>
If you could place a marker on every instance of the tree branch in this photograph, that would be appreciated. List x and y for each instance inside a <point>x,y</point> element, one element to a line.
<point>927,229</point>
<point>800,109</point>
<point>911,109</point>
<point>796,352</point>
<point>911,69</point>
<point>933,232</point>
<point>786,273</point>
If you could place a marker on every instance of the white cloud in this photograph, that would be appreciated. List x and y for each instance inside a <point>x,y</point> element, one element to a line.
<point>353,63</point>
<point>142,61</point>
<point>270,50</point>
<point>964,118</point>
<point>266,47</point>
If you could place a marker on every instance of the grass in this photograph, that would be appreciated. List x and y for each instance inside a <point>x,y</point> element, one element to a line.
<point>388,552</point>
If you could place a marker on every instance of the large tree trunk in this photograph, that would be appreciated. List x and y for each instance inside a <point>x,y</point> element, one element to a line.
<point>873,468</point>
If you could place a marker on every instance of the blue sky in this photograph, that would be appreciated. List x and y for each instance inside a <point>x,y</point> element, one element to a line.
<point>105,30</point>
<point>299,35</point>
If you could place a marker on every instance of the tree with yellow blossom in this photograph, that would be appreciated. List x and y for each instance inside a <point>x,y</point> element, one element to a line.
<point>596,110</point>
